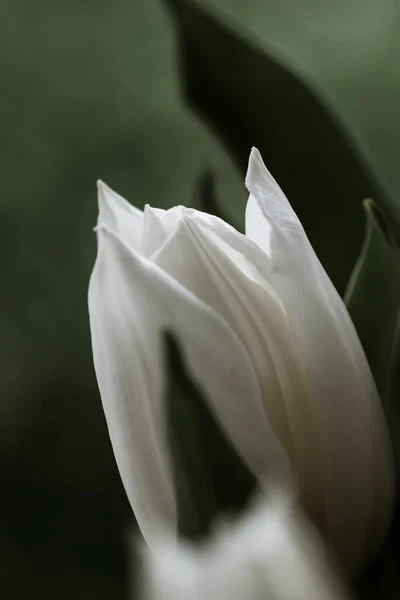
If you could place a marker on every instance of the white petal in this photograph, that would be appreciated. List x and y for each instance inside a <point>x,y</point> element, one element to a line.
<point>119,216</point>
<point>220,266</point>
<point>270,552</point>
<point>355,451</point>
<point>158,226</point>
<point>131,301</point>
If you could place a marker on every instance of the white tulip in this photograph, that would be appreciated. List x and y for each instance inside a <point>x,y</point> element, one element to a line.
<point>268,338</point>
<point>270,552</point>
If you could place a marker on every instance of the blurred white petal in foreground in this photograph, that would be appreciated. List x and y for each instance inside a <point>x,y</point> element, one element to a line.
<point>270,553</point>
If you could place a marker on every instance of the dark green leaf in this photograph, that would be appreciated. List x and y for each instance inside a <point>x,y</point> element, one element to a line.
<point>251,98</point>
<point>210,478</point>
<point>373,294</point>
<point>373,300</point>
<point>207,198</point>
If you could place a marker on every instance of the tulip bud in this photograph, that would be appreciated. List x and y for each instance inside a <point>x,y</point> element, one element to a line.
<point>267,337</point>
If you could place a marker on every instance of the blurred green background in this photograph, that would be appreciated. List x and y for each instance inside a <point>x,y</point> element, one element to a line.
<point>90,89</point>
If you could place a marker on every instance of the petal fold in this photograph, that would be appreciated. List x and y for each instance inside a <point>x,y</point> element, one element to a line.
<point>229,274</point>
<point>131,303</point>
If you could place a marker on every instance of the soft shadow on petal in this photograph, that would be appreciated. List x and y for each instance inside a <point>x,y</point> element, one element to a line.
<point>131,302</point>
<point>356,452</point>
<point>119,216</point>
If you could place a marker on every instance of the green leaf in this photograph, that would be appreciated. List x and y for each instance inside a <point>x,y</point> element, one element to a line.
<point>210,477</point>
<point>207,200</point>
<point>373,300</point>
<point>373,295</point>
<point>251,98</point>
<point>206,194</point>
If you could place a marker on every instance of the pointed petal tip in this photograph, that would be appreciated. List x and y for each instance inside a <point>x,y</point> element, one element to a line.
<point>104,193</point>
<point>259,180</point>
<point>113,208</point>
<point>255,154</point>
<point>256,169</point>
<point>111,197</point>
<point>151,211</point>
<point>103,189</point>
